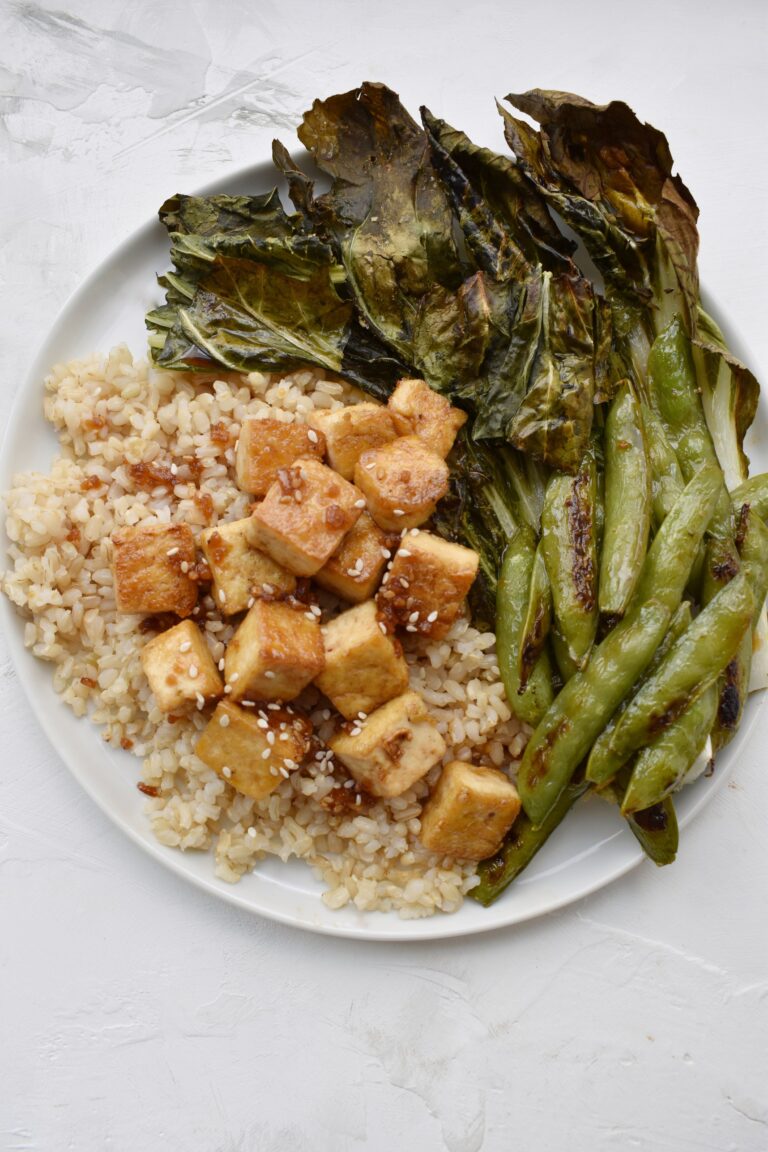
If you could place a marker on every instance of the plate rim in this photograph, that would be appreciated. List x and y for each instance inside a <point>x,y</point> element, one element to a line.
<point>440,925</point>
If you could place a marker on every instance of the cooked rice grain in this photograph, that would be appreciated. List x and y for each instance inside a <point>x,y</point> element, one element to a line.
<point>110,413</point>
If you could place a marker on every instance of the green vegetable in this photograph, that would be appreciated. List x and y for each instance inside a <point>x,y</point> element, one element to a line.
<point>520,846</point>
<point>565,735</point>
<point>666,478</point>
<point>537,618</point>
<point>656,831</point>
<point>661,767</point>
<point>692,664</point>
<point>627,504</point>
<point>753,492</point>
<point>569,546</point>
<point>529,700</point>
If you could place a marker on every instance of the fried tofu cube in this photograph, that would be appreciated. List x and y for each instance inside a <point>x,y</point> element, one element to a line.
<point>354,570</point>
<point>179,667</point>
<point>469,812</point>
<point>351,431</point>
<point>275,653</point>
<point>401,482</point>
<point>240,571</point>
<point>426,585</point>
<point>249,749</point>
<point>304,516</point>
<point>147,568</point>
<point>393,748</point>
<point>266,446</point>
<point>417,410</point>
<point>364,665</point>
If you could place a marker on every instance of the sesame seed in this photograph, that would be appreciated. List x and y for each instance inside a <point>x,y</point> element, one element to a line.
<point>196,610</point>
<point>266,754</point>
<point>398,512</point>
<point>385,553</point>
<point>227,689</point>
<point>269,675</point>
<point>290,763</point>
<point>270,737</point>
<point>221,664</point>
<point>382,627</point>
<point>370,465</point>
<point>359,503</point>
<point>224,721</point>
<point>353,572</point>
<point>312,436</point>
<point>356,731</point>
<point>174,469</point>
<point>252,833</point>
<point>251,602</point>
<point>268,588</point>
<point>415,531</point>
<point>404,553</point>
<point>200,699</point>
<point>192,670</point>
<point>411,628</point>
<point>432,617</point>
<point>309,616</point>
<point>285,735</point>
<point>226,772</point>
<point>273,707</point>
<point>326,713</point>
<point>316,610</point>
<point>184,566</point>
<point>359,564</point>
<point>172,552</point>
<point>234,677</point>
<point>247,704</point>
<point>404,583</point>
<point>358,798</point>
<point>297,495</point>
<point>413,617</point>
<point>285,773</point>
<point>273,771</point>
<point>262,722</point>
<point>222,596</point>
<point>185,647</point>
<point>362,715</point>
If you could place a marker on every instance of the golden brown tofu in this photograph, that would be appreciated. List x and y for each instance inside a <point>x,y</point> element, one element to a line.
<point>469,812</point>
<point>401,482</point>
<point>266,446</point>
<point>150,566</point>
<point>354,570</point>
<point>304,516</point>
<point>351,431</point>
<point>240,571</point>
<point>275,653</point>
<point>426,585</point>
<point>254,750</point>
<point>417,410</point>
<point>364,666</point>
<point>180,669</point>
<point>393,748</point>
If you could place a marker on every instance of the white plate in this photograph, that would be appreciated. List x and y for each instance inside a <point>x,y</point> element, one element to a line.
<point>591,849</point>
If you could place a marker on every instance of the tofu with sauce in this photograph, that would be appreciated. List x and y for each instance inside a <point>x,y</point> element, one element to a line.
<point>417,410</point>
<point>240,571</point>
<point>401,482</point>
<point>275,653</point>
<point>355,569</point>
<point>364,666</point>
<point>469,812</point>
<point>180,669</point>
<point>266,446</point>
<point>150,566</point>
<point>351,431</point>
<point>427,583</point>
<point>304,516</point>
<point>393,748</point>
<point>252,750</point>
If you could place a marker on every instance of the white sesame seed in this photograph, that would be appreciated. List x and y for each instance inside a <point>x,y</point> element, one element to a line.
<point>362,715</point>
<point>290,763</point>
<point>192,671</point>
<point>358,798</point>
<point>200,699</point>
<point>411,628</point>
<point>247,704</point>
<point>269,675</point>
<point>270,737</point>
<point>432,617</point>
<point>285,735</point>
<point>398,512</point>
<point>273,707</point>
<point>273,771</point>
<point>353,572</point>
<point>226,772</point>
<point>359,564</point>
<point>174,469</point>
<point>227,689</point>
<point>285,772</point>
<point>252,833</point>
<point>222,596</point>
<point>356,731</point>
<point>359,503</point>
<point>234,677</point>
<point>221,664</point>
<point>184,566</point>
<point>172,552</point>
<point>185,647</point>
<point>404,583</point>
<point>224,721</point>
<point>309,616</point>
<point>268,588</point>
<point>385,553</point>
<point>413,617</point>
<point>266,754</point>
<point>415,531</point>
<point>262,722</point>
<point>316,610</point>
<point>403,552</point>
<point>251,602</point>
<point>382,627</point>
<point>196,610</point>
<point>326,713</point>
<point>312,436</point>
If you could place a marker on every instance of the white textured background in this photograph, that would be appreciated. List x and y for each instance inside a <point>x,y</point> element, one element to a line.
<point>139,1014</point>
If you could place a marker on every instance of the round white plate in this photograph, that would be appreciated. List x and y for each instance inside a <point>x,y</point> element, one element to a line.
<point>591,848</point>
